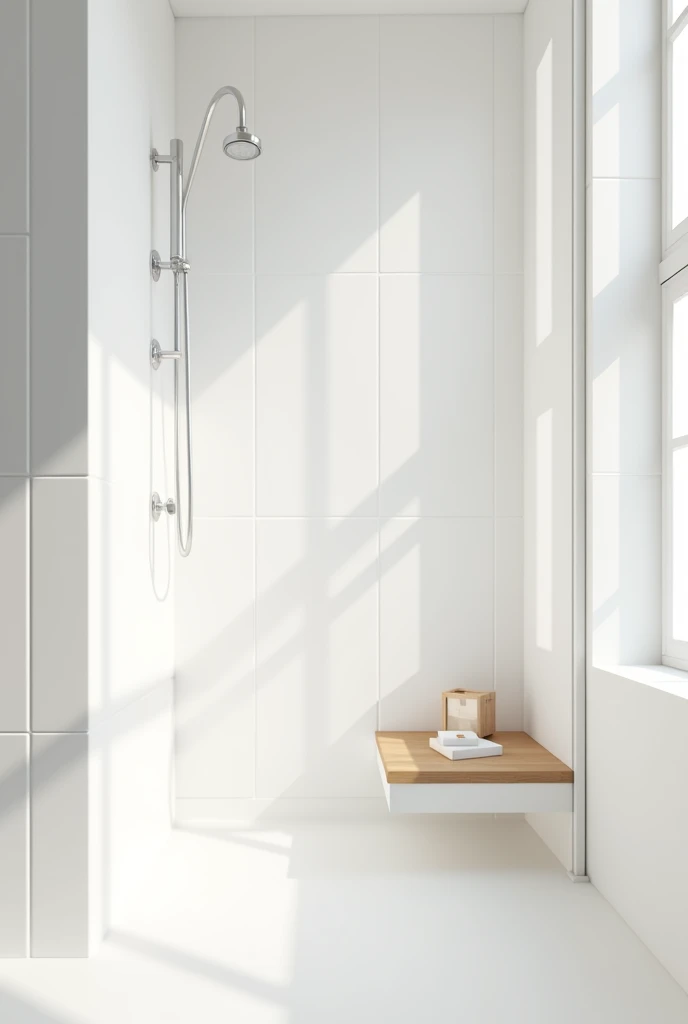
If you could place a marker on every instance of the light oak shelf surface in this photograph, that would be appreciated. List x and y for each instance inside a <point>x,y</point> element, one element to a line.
<point>526,777</point>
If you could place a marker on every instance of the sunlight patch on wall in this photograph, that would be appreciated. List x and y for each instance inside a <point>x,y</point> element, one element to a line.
<point>607,562</point>
<point>543,529</point>
<point>404,443</point>
<point>606,142</point>
<point>401,232</point>
<point>544,213</point>
<point>605,51</point>
<point>606,418</point>
<point>679,131</point>
<point>401,566</point>
<point>606,234</point>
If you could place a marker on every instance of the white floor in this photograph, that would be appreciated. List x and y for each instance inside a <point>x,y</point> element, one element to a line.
<point>398,921</point>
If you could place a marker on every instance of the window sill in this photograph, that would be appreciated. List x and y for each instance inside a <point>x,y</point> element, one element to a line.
<point>658,677</point>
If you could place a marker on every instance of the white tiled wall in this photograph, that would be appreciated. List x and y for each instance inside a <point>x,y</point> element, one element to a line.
<point>81,628</point>
<point>357,308</point>
<point>548,380</point>
<point>14,481</point>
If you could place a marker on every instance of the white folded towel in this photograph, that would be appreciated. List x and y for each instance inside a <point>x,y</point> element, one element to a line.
<point>452,738</point>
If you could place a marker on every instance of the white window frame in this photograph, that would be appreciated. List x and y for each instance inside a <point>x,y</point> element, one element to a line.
<point>674,652</point>
<point>674,239</point>
<point>673,275</point>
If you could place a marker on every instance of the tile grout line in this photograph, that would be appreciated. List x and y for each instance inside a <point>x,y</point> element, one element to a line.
<point>494,374</point>
<point>29,511</point>
<point>356,273</point>
<point>334,517</point>
<point>255,452</point>
<point>379,389</point>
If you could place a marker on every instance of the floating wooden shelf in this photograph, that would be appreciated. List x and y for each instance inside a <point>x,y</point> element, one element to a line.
<point>526,777</point>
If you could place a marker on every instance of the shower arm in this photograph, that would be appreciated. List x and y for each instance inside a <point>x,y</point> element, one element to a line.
<point>226,90</point>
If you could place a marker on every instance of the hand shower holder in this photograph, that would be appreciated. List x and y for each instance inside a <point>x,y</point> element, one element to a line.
<point>158,506</point>
<point>178,265</point>
<point>158,354</point>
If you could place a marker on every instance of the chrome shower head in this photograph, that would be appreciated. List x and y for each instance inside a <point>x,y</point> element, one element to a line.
<point>242,145</point>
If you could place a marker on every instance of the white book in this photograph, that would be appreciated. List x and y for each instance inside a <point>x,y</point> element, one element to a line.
<point>485,748</point>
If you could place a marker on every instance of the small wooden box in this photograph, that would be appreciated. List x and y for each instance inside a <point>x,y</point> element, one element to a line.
<point>472,710</point>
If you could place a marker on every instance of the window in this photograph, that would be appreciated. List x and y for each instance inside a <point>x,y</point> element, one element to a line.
<point>674,276</point>
<point>675,177</point>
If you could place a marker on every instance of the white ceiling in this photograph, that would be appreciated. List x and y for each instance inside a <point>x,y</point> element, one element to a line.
<point>206,8</point>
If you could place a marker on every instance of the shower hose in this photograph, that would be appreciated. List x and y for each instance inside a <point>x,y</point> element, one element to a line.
<point>184,536</point>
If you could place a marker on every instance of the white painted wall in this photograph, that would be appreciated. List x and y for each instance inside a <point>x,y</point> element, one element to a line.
<point>356,308</point>
<point>548,391</point>
<point>637,806</point>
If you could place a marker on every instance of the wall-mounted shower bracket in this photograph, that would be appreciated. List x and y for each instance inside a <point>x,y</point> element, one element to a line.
<point>155,264</point>
<point>157,354</point>
<point>177,265</point>
<point>158,507</point>
<point>157,159</point>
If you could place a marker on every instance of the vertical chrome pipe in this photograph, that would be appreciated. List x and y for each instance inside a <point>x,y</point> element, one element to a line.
<point>181,325</point>
<point>182,292</point>
<point>177,240</point>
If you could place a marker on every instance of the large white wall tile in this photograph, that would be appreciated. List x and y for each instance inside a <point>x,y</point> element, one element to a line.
<point>317,644</point>
<point>59,605</point>
<point>626,364</point>
<point>509,622</point>
<point>59,243</point>
<point>626,547</point>
<point>14,298</point>
<point>130,610</point>
<point>129,804</point>
<point>215,662</point>
<point>317,395</point>
<point>508,143</point>
<point>212,53</point>
<point>436,158</point>
<point>625,86</point>
<point>14,104</point>
<point>508,384</point>
<point>59,845</point>
<point>316,181</point>
<point>223,394</point>
<point>14,845</point>
<point>436,617</point>
<point>436,395</point>
<point>14,604</point>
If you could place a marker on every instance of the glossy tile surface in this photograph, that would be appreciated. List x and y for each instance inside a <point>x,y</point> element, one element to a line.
<point>14,605</point>
<point>14,845</point>
<point>430,120</point>
<point>59,845</point>
<point>316,181</point>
